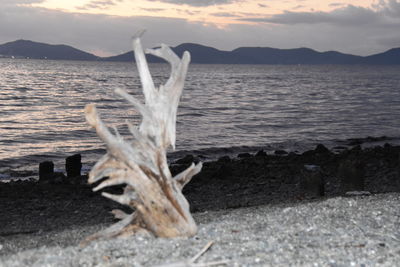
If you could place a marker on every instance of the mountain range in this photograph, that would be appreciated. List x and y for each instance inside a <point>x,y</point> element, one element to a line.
<point>205,55</point>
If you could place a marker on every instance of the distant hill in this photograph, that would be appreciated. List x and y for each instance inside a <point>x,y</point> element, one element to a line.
<point>264,55</point>
<point>34,50</point>
<point>390,57</point>
<point>201,54</point>
<point>252,55</point>
<point>261,55</point>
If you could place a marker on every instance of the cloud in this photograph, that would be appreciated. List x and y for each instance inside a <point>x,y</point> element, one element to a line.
<point>349,15</point>
<point>298,7</point>
<point>224,14</point>
<point>98,4</point>
<point>197,3</point>
<point>390,41</point>
<point>346,16</point>
<point>20,2</point>
<point>153,9</point>
<point>187,12</point>
<point>358,28</point>
<point>391,8</point>
<point>17,3</point>
<point>336,4</point>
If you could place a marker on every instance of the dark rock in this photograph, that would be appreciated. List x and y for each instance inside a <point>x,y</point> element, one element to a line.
<point>369,139</point>
<point>224,172</point>
<point>280,152</point>
<point>312,168</point>
<point>356,149</point>
<point>312,183</point>
<point>188,159</point>
<point>340,148</point>
<point>357,193</point>
<point>321,149</point>
<point>261,153</point>
<point>59,178</point>
<point>352,175</point>
<point>308,153</point>
<point>377,139</point>
<point>293,154</point>
<point>355,142</point>
<point>73,165</point>
<point>224,159</point>
<point>46,171</point>
<point>398,163</point>
<point>244,155</point>
<point>81,180</point>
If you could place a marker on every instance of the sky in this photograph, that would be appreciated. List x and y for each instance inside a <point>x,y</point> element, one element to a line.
<point>105,27</point>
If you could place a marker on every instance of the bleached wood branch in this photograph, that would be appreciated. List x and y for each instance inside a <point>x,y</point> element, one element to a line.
<point>141,165</point>
<point>192,262</point>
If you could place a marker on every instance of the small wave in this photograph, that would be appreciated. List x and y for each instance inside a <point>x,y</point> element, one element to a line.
<point>15,97</point>
<point>100,80</point>
<point>22,89</point>
<point>191,115</point>
<point>4,176</point>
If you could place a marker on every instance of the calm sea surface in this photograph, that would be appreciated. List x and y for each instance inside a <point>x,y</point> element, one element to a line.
<point>224,108</point>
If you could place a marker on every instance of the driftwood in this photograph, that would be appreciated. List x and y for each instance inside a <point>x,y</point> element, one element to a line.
<point>141,165</point>
<point>192,262</point>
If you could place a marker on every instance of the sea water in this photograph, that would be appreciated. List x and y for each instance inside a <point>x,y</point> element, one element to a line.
<point>223,109</point>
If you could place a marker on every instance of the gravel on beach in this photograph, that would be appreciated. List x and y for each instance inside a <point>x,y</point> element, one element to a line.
<point>339,231</point>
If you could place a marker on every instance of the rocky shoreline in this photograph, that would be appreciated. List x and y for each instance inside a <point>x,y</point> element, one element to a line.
<point>32,207</point>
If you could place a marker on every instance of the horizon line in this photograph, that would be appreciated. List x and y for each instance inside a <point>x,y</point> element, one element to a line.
<point>104,57</point>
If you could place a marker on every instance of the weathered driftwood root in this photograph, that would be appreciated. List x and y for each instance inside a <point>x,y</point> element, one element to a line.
<point>141,165</point>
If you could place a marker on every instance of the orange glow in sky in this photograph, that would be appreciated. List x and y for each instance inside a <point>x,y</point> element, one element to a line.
<point>215,14</point>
